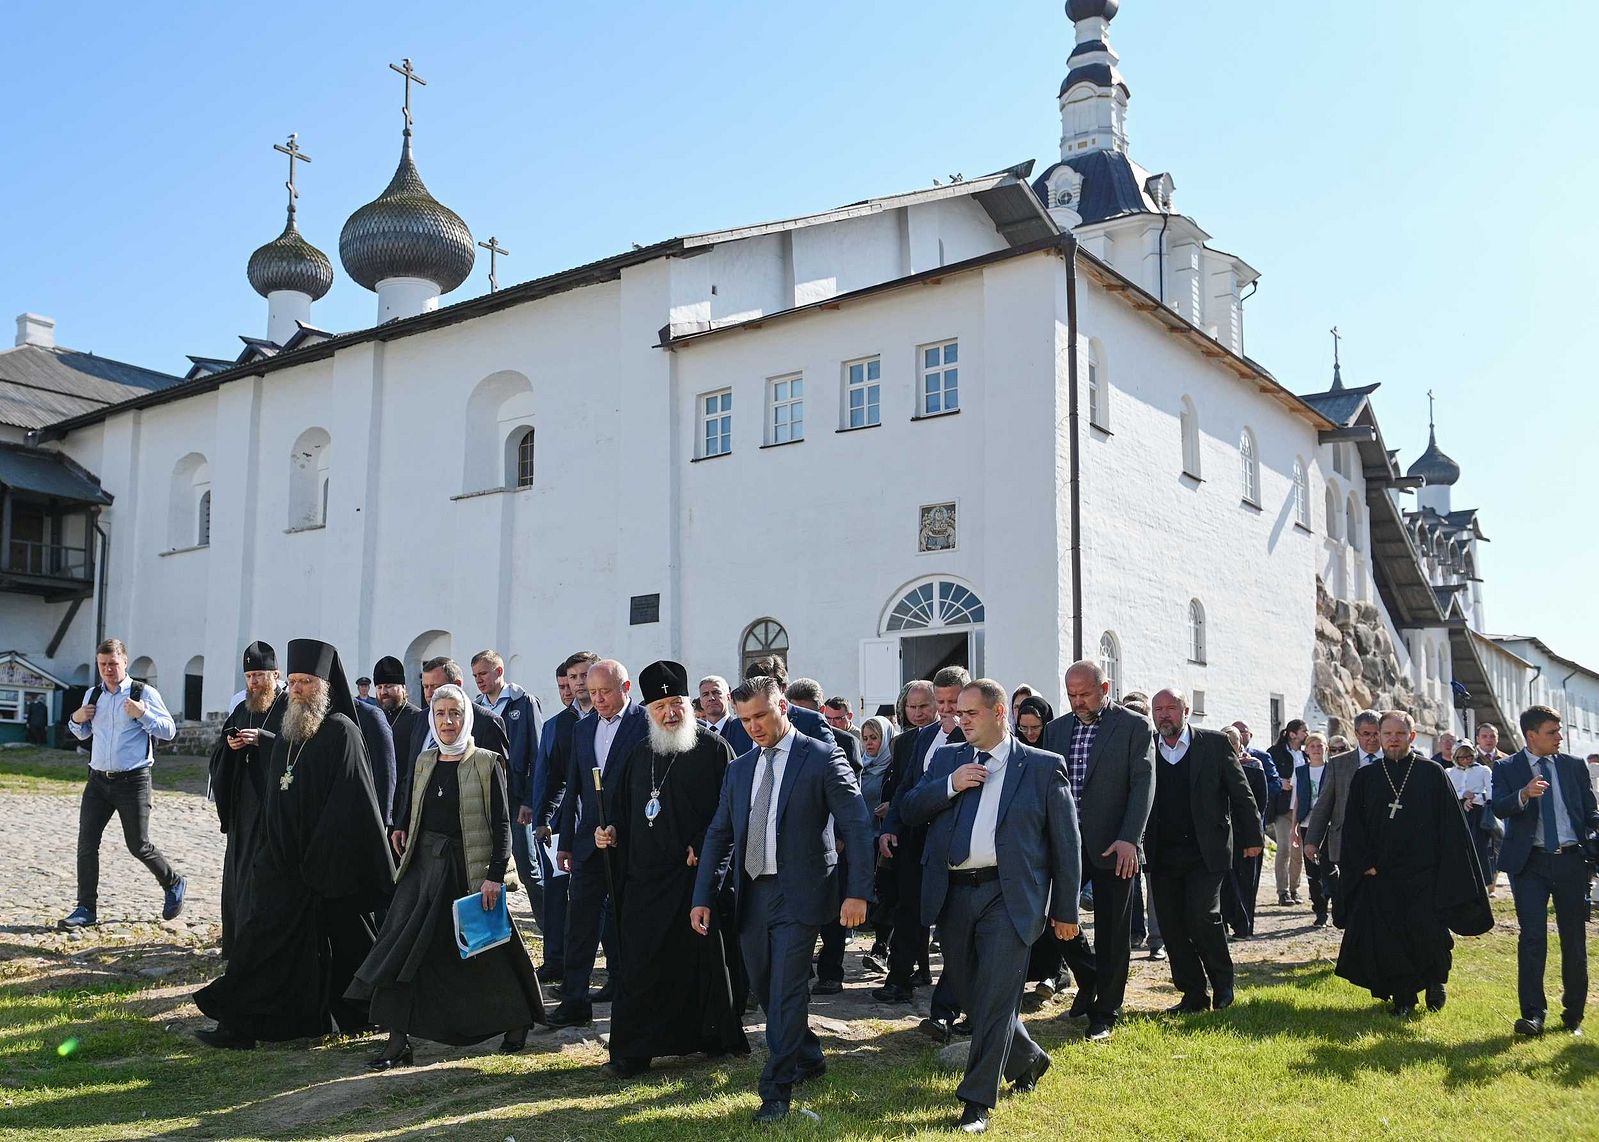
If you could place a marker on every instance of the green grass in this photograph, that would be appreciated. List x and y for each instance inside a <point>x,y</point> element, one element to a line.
<point>36,770</point>
<point>1303,1053</point>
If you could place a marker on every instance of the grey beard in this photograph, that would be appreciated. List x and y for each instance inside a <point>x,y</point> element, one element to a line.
<point>302,720</point>
<point>680,740</point>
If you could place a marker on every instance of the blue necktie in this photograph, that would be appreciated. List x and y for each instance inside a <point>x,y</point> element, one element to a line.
<point>1546,805</point>
<point>960,845</point>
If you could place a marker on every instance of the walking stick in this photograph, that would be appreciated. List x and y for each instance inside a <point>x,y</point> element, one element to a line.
<point>610,876</point>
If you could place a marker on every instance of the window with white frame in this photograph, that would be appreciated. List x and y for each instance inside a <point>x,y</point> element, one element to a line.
<point>1301,495</point>
<point>786,400</point>
<point>1098,387</point>
<point>1249,463</point>
<point>1110,661</point>
<point>1196,631</point>
<point>938,374</point>
<point>716,423</point>
<point>863,392</point>
<point>1188,422</point>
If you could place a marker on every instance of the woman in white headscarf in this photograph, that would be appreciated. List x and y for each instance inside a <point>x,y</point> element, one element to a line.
<point>460,842</point>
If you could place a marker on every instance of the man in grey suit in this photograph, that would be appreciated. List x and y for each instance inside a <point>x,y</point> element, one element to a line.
<point>773,835</point>
<point>1325,826</point>
<point>1002,850</point>
<point>1110,763</point>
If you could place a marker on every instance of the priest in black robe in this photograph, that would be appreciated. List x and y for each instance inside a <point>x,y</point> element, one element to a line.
<point>321,870</point>
<point>238,778</point>
<point>1409,876</point>
<point>675,996</point>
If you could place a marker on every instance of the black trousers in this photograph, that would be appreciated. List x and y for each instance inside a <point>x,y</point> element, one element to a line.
<point>588,926</point>
<point>1188,898</point>
<point>907,947</point>
<point>1240,890</point>
<point>127,796</point>
<point>830,963</point>
<point>1101,970</point>
<point>886,910</point>
<point>1562,877</point>
<point>1320,874</point>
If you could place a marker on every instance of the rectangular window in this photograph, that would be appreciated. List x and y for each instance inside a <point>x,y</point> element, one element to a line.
<point>787,421</point>
<point>1098,399</point>
<point>10,705</point>
<point>716,423</point>
<point>1197,708</point>
<point>1276,716</point>
<point>938,375</point>
<point>863,392</point>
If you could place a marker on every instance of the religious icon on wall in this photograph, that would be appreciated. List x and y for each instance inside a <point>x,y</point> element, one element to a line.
<point>937,529</point>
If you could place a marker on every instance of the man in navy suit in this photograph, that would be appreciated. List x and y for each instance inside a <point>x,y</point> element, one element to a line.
<point>807,722</point>
<point>608,733</point>
<point>773,835</point>
<point>1547,804</point>
<point>1002,852</point>
<point>544,803</point>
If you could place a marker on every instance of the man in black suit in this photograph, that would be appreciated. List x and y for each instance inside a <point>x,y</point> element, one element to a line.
<point>1547,804</point>
<point>915,709</point>
<point>903,842</point>
<point>1109,752</point>
<point>544,801</point>
<point>1002,852</point>
<point>1201,797</point>
<point>807,694</point>
<point>784,878</point>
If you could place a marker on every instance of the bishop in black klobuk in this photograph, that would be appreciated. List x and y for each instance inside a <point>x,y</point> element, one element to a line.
<point>675,997</point>
<point>321,871</point>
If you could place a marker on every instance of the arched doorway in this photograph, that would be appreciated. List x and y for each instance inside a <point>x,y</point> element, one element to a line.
<point>933,623</point>
<point>194,689</point>
<point>428,644</point>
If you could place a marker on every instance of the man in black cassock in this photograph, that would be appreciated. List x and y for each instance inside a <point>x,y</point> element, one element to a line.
<point>238,778</point>
<point>675,997</point>
<point>1409,875</point>
<point>321,869</point>
<point>388,676</point>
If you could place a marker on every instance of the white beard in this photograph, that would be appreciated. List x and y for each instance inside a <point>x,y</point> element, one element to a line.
<point>302,720</point>
<point>667,742</point>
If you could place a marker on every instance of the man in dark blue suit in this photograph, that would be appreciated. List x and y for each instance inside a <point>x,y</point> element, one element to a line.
<point>544,801</point>
<point>1002,853</point>
<point>607,733</point>
<point>1547,804</point>
<point>774,836</point>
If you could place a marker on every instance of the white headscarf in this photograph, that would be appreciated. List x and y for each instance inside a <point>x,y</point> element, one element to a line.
<point>463,741</point>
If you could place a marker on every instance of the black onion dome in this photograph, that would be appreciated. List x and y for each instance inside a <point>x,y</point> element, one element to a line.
<point>1088,9</point>
<point>290,262</point>
<point>1433,466</point>
<point>406,233</point>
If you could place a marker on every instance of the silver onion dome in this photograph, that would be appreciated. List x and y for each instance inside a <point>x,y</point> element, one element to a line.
<point>1433,466</point>
<point>290,262</point>
<point>406,233</point>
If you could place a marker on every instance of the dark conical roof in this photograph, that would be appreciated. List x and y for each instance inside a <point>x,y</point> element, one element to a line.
<point>407,233</point>
<point>1433,466</point>
<point>290,262</point>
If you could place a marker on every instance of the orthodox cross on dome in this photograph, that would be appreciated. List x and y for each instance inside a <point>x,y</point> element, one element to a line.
<point>1429,412</point>
<point>295,155</point>
<point>1338,376</point>
<point>495,251</point>
<point>410,77</point>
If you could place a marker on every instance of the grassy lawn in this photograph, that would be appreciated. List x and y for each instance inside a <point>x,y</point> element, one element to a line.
<point>1302,1053</point>
<point>32,769</point>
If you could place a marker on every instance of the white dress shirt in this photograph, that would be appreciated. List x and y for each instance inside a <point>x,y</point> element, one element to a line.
<point>779,765</point>
<point>983,853</point>
<point>1175,753</point>
<point>1472,779</point>
<point>605,736</point>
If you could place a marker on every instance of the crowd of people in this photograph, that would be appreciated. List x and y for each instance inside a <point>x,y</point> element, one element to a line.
<point>721,843</point>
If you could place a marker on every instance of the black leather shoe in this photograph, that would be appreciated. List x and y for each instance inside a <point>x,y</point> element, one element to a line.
<point>1199,1001</point>
<point>892,993</point>
<point>974,1119</point>
<point>939,1030</point>
<point>564,1016</point>
<point>221,1036</point>
<point>1099,1030</point>
<point>962,1026</point>
<point>1529,1025</point>
<point>1028,1081</point>
<point>827,987</point>
<point>1404,1006</point>
<point>513,1042</point>
<point>606,994</point>
<point>387,1062</point>
<point>1222,1000</point>
<point>1080,1005</point>
<point>922,978</point>
<point>1436,997</point>
<point>815,1071</point>
<point>625,1068</point>
<point>1047,987</point>
<point>1158,952</point>
<point>1319,922</point>
<point>772,1110</point>
<point>875,962</point>
<point>550,973</point>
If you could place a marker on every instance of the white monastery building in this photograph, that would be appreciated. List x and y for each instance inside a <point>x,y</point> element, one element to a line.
<point>1032,392</point>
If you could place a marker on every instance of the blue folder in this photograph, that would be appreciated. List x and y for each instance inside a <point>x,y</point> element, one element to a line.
<point>477,930</point>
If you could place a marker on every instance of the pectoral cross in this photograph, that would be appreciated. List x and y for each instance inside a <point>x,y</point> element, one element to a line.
<point>410,78</point>
<point>1393,807</point>
<point>495,251</point>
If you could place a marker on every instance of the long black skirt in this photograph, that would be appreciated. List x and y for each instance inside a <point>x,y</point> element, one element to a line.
<point>415,978</point>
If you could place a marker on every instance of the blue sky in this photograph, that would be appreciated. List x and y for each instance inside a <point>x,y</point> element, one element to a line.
<point>1419,174</point>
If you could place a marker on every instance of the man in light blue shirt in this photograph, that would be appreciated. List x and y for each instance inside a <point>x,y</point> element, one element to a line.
<point>123,719</point>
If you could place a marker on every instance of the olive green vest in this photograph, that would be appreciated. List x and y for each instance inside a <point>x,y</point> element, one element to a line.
<point>476,779</point>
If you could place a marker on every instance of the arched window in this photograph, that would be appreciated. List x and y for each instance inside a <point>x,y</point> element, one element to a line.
<point>1331,510</point>
<point>1301,495</point>
<point>1110,661</point>
<point>1189,423</point>
<point>1249,462</point>
<point>309,462</point>
<point>1196,631</point>
<point>1352,531</point>
<point>1098,386</point>
<point>142,669</point>
<point>189,523</point>
<point>937,603</point>
<point>519,458</point>
<point>499,408</point>
<point>763,638</point>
